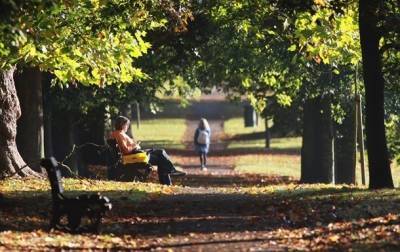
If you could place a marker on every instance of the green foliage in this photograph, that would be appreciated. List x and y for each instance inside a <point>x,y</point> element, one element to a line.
<point>393,137</point>
<point>90,42</point>
<point>256,63</point>
<point>328,37</point>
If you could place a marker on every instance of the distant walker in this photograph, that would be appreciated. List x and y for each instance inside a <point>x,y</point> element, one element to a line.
<point>202,138</point>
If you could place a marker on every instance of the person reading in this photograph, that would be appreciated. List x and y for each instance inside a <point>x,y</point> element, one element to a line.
<point>158,157</point>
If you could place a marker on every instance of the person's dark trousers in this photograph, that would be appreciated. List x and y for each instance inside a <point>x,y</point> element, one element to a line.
<point>164,178</point>
<point>203,159</point>
<point>164,165</point>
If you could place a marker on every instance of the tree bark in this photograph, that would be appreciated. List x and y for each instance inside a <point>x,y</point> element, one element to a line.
<point>345,148</point>
<point>11,161</point>
<point>91,130</point>
<point>378,159</point>
<point>267,134</point>
<point>30,124</point>
<point>63,135</point>
<point>47,116</point>
<point>317,151</point>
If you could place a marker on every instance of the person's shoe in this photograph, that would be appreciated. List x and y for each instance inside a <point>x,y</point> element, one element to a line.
<point>177,173</point>
<point>204,168</point>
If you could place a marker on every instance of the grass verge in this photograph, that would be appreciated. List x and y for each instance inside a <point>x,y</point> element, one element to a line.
<point>235,126</point>
<point>269,164</point>
<point>160,133</point>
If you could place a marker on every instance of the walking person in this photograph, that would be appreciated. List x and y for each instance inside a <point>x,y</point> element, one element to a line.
<point>202,138</point>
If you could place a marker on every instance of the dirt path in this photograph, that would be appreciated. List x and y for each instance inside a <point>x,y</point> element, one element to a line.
<point>216,165</point>
<point>203,218</point>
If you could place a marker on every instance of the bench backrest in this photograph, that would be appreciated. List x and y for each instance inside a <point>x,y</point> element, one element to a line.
<point>54,175</point>
<point>114,153</point>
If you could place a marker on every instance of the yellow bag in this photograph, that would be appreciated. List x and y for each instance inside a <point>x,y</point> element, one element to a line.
<point>140,157</point>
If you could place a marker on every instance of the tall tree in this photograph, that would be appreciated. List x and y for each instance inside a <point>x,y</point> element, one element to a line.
<point>90,42</point>
<point>370,35</point>
<point>317,147</point>
<point>30,125</point>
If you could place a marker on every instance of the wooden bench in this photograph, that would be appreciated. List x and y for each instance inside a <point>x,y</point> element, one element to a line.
<point>69,213</point>
<point>118,170</point>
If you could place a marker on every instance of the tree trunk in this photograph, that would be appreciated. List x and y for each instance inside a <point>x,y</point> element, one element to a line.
<point>345,148</point>
<point>11,161</point>
<point>267,134</point>
<point>126,111</point>
<point>30,124</point>
<point>317,151</point>
<point>63,136</point>
<point>47,116</point>
<point>378,160</point>
<point>92,130</point>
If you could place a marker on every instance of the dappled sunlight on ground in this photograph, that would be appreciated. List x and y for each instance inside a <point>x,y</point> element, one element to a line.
<point>279,217</point>
<point>249,199</point>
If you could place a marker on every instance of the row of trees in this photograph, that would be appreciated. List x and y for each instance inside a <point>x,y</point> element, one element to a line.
<point>311,49</point>
<point>277,51</point>
<point>86,42</point>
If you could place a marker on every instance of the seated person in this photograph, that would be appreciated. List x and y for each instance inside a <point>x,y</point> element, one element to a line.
<point>158,157</point>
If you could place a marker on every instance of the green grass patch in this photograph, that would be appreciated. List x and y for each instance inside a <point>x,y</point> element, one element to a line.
<point>242,137</point>
<point>270,164</point>
<point>289,165</point>
<point>286,143</point>
<point>160,133</point>
<point>235,126</point>
<point>396,174</point>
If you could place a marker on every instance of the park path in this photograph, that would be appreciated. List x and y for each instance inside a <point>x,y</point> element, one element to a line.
<point>216,164</point>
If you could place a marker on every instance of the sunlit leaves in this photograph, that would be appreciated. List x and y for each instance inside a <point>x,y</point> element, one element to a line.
<point>327,37</point>
<point>91,42</point>
<point>283,99</point>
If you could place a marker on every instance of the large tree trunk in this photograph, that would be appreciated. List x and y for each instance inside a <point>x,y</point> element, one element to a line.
<point>30,124</point>
<point>345,148</point>
<point>47,115</point>
<point>63,136</point>
<point>378,160</point>
<point>91,130</point>
<point>317,151</point>
<point>11,161</point>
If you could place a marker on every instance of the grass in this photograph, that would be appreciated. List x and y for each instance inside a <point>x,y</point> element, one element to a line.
<point>287,143</point>
<point>289,165</point>
<point>273,163</point>
<point>253,137</point>
<point>282,165</point>
<point>160,133</point>
<point>235,126</point>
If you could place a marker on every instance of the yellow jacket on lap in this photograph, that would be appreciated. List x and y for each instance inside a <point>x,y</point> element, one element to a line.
<point>140,157</point>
